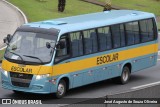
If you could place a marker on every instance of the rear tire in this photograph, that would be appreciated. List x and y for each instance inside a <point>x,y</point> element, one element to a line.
<point>61,89</point>
<point>125,76</point>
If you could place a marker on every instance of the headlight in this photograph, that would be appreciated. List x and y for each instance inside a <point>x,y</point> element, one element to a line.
<point>38,77</point>
<point>5,73</point>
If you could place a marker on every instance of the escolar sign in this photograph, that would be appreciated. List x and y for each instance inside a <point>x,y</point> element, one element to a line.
<point>107,58</point>
<point>21,69</point>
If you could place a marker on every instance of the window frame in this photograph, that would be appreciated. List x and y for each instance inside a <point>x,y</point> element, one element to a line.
<point>66,36</point>
<point>155,29</point>
<point>123,35</point>
<point>92,44</point>
<point>155,33</point>
<point>96,31</point>
<point>112,37</point>
<point>106,42</point>
<point>133,33</point>
<point>71,44</point>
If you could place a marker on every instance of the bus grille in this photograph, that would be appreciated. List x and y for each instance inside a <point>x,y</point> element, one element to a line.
<point>20,80</point>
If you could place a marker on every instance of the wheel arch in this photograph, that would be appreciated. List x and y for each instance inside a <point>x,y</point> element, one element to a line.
<point>66,78</point>
<point>129,65</point>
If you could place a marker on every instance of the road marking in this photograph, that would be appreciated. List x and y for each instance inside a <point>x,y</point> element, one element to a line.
<point>146,85</point>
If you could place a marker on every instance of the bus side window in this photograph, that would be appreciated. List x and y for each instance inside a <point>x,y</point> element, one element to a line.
<point>90,41</point>
<point>155,32</point>
<point>132,31</point>
<point>76,44</point>
<point>122,33</point>
<point>135,28</point>
<point>104,36</point>
<point>147,30</point>
<point>116,35</point>
<point>129,33</point>
<point>62,49</point>
<point>150,29</point>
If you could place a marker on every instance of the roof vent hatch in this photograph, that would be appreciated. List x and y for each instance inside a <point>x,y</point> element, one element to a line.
<point>54,22</point>
<point>134,14</point>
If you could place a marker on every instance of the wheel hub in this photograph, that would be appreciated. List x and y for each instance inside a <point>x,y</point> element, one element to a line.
<point>60,89</point>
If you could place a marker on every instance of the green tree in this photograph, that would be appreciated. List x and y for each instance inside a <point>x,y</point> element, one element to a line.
<point>61,5</point>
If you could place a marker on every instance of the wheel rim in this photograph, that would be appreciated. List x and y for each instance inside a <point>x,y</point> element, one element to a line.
<point>125,75</point>
<point>61,89</point>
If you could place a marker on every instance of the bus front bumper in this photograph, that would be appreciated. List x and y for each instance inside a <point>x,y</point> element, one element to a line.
<point>42,86</point>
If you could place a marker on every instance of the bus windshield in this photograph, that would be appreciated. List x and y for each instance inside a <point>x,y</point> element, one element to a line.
<point>30,47</point>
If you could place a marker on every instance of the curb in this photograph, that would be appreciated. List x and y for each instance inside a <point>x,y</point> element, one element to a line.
<point>21,12</point>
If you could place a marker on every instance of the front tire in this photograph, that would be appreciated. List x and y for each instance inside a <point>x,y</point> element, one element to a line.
<point>61,89</point>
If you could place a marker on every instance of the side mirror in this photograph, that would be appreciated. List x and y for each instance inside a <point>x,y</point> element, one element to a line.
<point>5,40</point>
<point>9,37</point>
<point>48,45</point>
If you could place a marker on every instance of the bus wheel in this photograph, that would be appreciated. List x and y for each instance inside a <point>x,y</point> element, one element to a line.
<point>125,76</point>
<point>61,89</point>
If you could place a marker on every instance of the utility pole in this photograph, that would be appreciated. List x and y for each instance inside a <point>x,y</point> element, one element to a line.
<point>107,6</point>
<point>61,5</point>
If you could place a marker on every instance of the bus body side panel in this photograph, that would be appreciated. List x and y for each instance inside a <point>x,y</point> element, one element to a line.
<point>95,74</point>
<point>76,79</point>
<point>147,60</point>
<point>89,68</point>
<point>84,70</point>
<point>103,72</point>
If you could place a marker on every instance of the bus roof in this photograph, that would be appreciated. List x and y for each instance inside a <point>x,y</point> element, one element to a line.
<point>93,20</point>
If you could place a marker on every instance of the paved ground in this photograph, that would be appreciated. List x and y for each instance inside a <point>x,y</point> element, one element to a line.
<point>10,19</point>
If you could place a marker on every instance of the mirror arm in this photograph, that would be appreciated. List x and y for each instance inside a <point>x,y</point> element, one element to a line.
<point>5,41</point>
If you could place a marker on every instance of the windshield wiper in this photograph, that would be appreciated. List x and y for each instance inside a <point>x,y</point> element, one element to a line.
<point>34,57</point>
<point>19,56</point>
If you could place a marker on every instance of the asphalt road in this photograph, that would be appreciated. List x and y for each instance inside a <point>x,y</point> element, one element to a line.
<point>10,19</point>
